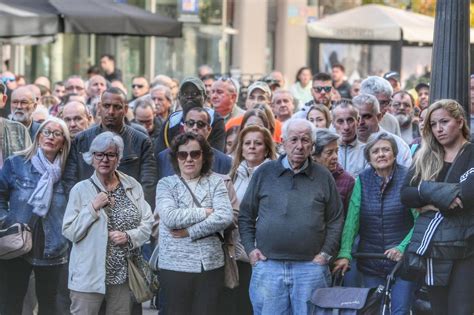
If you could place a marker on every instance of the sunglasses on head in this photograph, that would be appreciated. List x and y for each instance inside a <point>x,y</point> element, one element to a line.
<point>183,155</point>
<point>200,124</point>
<point>319,89</point>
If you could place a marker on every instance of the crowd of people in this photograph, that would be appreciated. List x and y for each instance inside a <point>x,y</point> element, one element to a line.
<point>295,178</point>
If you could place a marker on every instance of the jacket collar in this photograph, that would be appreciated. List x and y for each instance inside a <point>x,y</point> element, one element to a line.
<point>124,180</point>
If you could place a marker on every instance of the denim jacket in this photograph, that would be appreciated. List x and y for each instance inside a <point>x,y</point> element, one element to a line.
<point>18,180</point>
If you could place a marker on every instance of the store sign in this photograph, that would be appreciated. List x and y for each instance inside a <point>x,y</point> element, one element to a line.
<point>301,14</point>
<point>189,10</point>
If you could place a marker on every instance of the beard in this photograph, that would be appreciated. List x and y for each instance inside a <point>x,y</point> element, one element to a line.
<point>403,120</point>
<point>20,116</point>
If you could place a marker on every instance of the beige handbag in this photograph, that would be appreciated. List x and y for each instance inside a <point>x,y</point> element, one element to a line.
<point>15,241</point>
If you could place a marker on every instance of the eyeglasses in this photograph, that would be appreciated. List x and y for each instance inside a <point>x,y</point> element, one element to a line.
<point>140,86</point>
<point>384,102</point>
<point>200,124</point>
<point>99,156</point>
<point>183,155</point>
<point>56,133</point>
<point>23,103</point>
<point>231,80</point>
<point>319,89</point>
<point>8,79</point>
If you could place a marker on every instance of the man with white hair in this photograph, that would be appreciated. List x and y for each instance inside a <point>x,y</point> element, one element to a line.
<point>161,96</point>
<point>402,107</point>
<point>23,104</point>
<point>382,90</point>
<point>75,84</point>
<point>309,210</point>
<point>369,123</point>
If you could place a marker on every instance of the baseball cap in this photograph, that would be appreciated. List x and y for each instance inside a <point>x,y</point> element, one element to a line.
<point>422,85</point>
<point>392,75</point>
<point>194,81</point>
<point>260,85</point>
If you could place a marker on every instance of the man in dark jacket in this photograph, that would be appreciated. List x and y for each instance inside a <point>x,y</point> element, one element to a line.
<point>197,121</point>
<point>192,93</point>
<point>299,224</point>
<point>138,160</point>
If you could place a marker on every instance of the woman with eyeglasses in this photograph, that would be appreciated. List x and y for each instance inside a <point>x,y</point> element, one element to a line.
<point>31,192</point>
<point>107,220</point>
<point>193,206</point>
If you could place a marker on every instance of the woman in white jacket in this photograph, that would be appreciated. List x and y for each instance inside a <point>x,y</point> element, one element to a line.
<point>107,220</point>
<point>255,146</point>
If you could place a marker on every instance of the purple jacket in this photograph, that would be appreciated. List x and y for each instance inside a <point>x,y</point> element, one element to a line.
<point>344,184</point>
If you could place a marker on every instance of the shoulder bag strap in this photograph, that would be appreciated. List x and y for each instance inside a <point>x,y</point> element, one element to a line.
<point>196,201</point>
<point>95,185</point>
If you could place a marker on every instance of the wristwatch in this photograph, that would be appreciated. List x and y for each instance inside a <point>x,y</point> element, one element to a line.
<point>325,256</point>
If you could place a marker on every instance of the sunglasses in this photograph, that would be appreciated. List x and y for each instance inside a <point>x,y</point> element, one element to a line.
<point>200,124</point>
<point>183,155</point>
<point>319,89</point>
<point>140,86</point>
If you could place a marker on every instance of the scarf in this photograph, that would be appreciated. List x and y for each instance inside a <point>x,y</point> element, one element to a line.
<point>41,198</point>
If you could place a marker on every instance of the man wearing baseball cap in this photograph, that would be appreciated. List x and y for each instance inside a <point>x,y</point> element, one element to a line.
<point>192,93</point>
<point>423,91</point>
<point>257,93</point>
<point>394,78</point>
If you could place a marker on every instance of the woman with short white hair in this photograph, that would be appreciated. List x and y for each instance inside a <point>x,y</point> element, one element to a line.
<point>107,220</point>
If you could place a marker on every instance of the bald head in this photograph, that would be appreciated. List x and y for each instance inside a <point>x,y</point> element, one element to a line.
<point>77,117</point>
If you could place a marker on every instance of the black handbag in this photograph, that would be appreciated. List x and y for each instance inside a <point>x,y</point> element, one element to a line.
<point>413,266</point>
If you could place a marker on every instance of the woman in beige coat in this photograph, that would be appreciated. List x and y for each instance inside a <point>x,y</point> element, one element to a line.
<point>107,220</point>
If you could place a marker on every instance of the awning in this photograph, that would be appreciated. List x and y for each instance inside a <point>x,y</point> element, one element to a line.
<point>375,22</point>
<point>103,17</point>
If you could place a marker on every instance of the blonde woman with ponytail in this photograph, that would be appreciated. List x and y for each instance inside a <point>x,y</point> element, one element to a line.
<point>440,185</point>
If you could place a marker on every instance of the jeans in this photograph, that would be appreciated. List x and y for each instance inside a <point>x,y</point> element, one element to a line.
<point>285,287</point>
<point>402,293</point>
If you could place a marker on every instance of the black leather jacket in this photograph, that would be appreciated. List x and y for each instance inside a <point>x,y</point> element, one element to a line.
<point>138,160</point>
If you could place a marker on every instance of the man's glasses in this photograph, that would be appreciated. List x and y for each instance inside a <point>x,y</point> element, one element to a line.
<point>5,80</point>
<point>48,133</point>
<point>319,89</point>
<point>183,155</point>
<point>99,156</point>
<point>384,103</point>
<point>139,86</point>
<point>200,124</point>
<point>74,87</point>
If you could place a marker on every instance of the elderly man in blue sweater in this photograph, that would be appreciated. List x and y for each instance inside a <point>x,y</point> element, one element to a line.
<point>298,229</point>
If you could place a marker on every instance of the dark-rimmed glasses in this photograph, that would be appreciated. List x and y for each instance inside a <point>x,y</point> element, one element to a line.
<point>183,155</point>
<point>56,133</point>
<point>99,156</point>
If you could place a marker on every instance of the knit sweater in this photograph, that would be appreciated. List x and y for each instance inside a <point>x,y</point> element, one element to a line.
<point>299,215</point>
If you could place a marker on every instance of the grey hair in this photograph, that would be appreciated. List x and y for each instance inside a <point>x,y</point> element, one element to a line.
<point>283,91</point>
<point>345,104</point>
<point>367,99</point>
<point>101,143</point>
<point>376,137</point>
<point>298,121</point>
<point>75,76</point>
<point>164,88</point>
<point>376,85</point>
<point>144,102</point>
<point>325,137</point>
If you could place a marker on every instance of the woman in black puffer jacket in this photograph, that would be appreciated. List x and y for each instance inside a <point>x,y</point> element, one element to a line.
<point>441,185</point>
